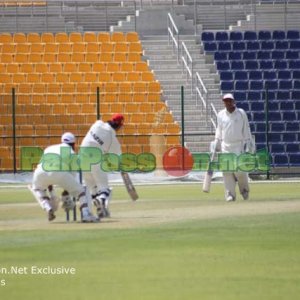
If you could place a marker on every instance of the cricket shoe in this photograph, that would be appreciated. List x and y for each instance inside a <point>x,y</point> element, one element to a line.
<point>51,215</point>
<point>89,218</point>
<point>230,198</point>
<point>245,195</point>
<point>102,208</point>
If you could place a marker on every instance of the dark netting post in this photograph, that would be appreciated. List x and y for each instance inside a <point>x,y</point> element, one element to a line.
<point>98,103</point>
<point>14,130</point>
<point>267,122</point>
<point>182,125</point>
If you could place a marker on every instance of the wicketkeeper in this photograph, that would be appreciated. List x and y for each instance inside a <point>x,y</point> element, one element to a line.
<point>43,181</point>
<point>233,136</point>
<point>102,135</point>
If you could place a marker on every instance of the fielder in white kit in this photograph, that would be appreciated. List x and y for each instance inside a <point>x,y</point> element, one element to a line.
<point>102,135</point>
<point>233,135</point>
<point>43,181</point>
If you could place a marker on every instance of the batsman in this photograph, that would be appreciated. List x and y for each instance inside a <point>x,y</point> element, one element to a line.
<point>233,135</point>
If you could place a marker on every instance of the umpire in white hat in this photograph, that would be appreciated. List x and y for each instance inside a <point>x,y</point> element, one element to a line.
<point>233,135</point>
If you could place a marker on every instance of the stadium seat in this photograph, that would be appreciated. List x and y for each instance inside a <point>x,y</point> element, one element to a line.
<point>292,54</point>
<point>283,74</point>
<point>278,35</point>
<point>236,36</point>
<point>256,85</point>
<point>283,95</point>
<point>224,46</point>
<point>261,127</point>
<point>75,37</point>
<point>266,64</point>
<point>249,55</point>
<point>293,35</point>
<point>234,55</point>
<point>240,75</point>
<point>117,36</point>
<point>250,35</point>
<point>240,96</point>
<point>274,116</point>
<point>251,65</point>
<point>296,84</point>
<point>277,54</point>
<point>292,148</point>
<point>255,75</point>
<point>243,105</point>
<point>269,75</point>
<point>220,55</point>
<point>207,36</point>
<point>223,65</point>
<point>253,45</point>
<point>289,115</point>
<point>281,160</point>
<point>287,105</point>
<point>277,148</point>
<point>132,37</point>
<point>292,126</point>
<point>268,45</point>
<point>240,46</point>
<point>254,96</point>
<point>263,55</point>
<point>241,85</point>
<point>281,45</point>
<point>296,95</point>
<point>285,84</point>
<point>264,35</point>
<point>221,36</point>
<point>237,65</point>
<point>277,127</point>
<point>273,105</point>
<point>210,46</point>
<point>288,137</point>
<point>260,138</point>
<point>89,37</point>
<point>227,85</point>
<point>294,64</point>
<point>280,64</point>
<point>274,137</point>
<point>257,106</point>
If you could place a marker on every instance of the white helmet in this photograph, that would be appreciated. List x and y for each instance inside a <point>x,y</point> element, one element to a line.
<point>68,138</point>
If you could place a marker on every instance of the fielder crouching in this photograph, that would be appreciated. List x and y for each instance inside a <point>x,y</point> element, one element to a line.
<point>44,179</point>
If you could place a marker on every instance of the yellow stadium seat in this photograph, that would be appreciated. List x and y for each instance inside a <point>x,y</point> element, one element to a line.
<point>84,67</point>
<point>147,76</point>
<point>50,57</point>
<point>83,87</point>
<point>105,57</point>
<point>14,68</point>
<point>125,97</point>
<point>109,97</point>
<point>47,37</point>
<point>121,47</point>
<point>93,47</point>
<point>118,76</point>
<point>141,66</point>
<point>103,37</point>
<point>140,87</point>
<point>127,67</point>
<point>79,47</point>
<point>99,67</point>
<point>6,58</point>
<point>65,48</point>
<point>6,38</point>
<point>104,77</point>
<point>120,57</point>
<point>19,37</point>
<point>125,87</point>
<point>3,67</point>
<point>110,87</point>
<point>19,77</point>
<point>146,107</point>
<point>117,37</point>
<point>51,48</point>
<point>154,87</point>
<point>91,77</point>
<point>36,57</point>
<point>76,77</point>
<point>5,78</point>
<point>70,67</point>
<point>134,57</point>
<point>41,68</point>
<point>131,107</point>
<point>133,76</point>
<point>89,37</point>
<point>55,67</point>
<point>173,128</point>
<point>135,48</point>
<point>92,57</point>
<point>107,47</point>
<point>112,67</point>
<point>33,37</point>
<point>33,77</point>
<point>39,88</point>
<point>75,37</point>
<point>132,37</point>
<point>25,88</point>
<point>78,57</point>
<point>63,57</point>
<point>68,88</point>
<point>61,37</point>
<point>48,77</point>
<point>139,97</point>
<point>8,48</point>
<point>154,97</point>
<point>37,48</point>
<point>21,57</point>
<point>62,77</point>
<point>23,48</point>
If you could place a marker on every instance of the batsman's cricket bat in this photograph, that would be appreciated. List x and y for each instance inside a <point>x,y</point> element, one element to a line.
<point>129,186</point>
<point>208,176</point>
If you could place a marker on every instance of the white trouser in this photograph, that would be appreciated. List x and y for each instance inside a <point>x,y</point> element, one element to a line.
<point>230,180</point>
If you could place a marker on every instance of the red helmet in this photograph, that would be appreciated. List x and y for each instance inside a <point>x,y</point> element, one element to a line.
<point>117,120</point>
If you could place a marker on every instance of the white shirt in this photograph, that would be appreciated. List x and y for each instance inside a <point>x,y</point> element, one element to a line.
<point>103,136</point>
<point>233,130</point>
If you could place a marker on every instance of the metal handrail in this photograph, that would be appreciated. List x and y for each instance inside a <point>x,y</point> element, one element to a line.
<point>171,35</point>
<point>202,93</point>
<point>187,62</point>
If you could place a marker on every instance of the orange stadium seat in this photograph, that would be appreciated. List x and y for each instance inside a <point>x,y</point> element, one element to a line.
<point>107,47</point>
<point>132,37</point>
<point>89,37</point>
<point>51,48</point>
<point>33,37</point>
<point>84,67</point>
<point>127,67</point>
<point>61,37</point>
<point>75,37</point>
<point>14,68</point>
<point>93,47</point>
<point>22,48</point>
<point>47,37</point>
<point>99,67</point>
<point>36,57</point>
<point>78,57</point>
<point>141,66</point>
<point>8,48</point>
<point>42,68</point>
<point>37,48</point>
<point>25,68</point>
<point>6,58</point>
<point>120,57</point>
<point>79,47</point>
<point>103,37</point>
<point>65,48</point>
<point>76,77</point>
<point>117,37</point>
<point>121,47</point>
<point>6,38</point>
<point>19,37</point>
<point>136,48</point>
<point>70,67</point>
<point>55,67</point>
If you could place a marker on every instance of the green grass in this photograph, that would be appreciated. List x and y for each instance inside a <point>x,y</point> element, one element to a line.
<point>247,257</point>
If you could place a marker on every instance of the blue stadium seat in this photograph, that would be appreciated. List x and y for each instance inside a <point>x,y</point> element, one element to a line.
<point>296,84</point>
<point>297,106</point>
<point>226,75</point>
<point>237,65</point>
<point>224,46</point>
<point>274,116</point>
<point>260,138</point>
<point>241,85</point>
<point>286,105</point>
<point>292,148</point>
<point>266,64</point>
<point>223,65</point>
<point>236,36</point>
<point>252,127</point>
<point>235,55</point>
<point>260,127</point>
<point>271,84</point>
<point>255,75</point>
<point>292,126</point>
<point>289,115</point>
<point>292,54</point>
<point>241,75</point>
<point>277,148</point>
<point>277,54</point>
<point>253,45</point>
<point>210,46</point>
<point>294,64</point>
<point>256,85</point>
<point>240,96</point>
<point>264,35</point>
<point>269,75</point>
<point>296,74</point>
<point>285,84</point>
<point>250,35</point>
<point>227,85</point>
<point>295,159</point>
<point>267,45</point>
<point>238,46</point>
<point>257,106</point>
<point>273,105</point>
<point>271,95</point>
<point>277,126</point>
<point>207,36</point>
<point>249,55</point>
<point>244,105</point>
<point>294,44</point>
<point>220,55</point>
<point>258,116</point>
<point>254,96</point>
<point>293,35</point>
<point>278,35</point>
<point>283,74</point>
<point>281,45</point>
<point>281,160</point>
<point>251,65</point>
<point>283,95</point>
<point>289,137</point>
<point>221,36</point>
<point>274,137</point>
<point>280,64</point>
<point>263,55</point>
<point>296,95</point>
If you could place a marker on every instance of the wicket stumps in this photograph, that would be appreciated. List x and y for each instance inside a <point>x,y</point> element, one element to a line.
<point>73,212</point>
